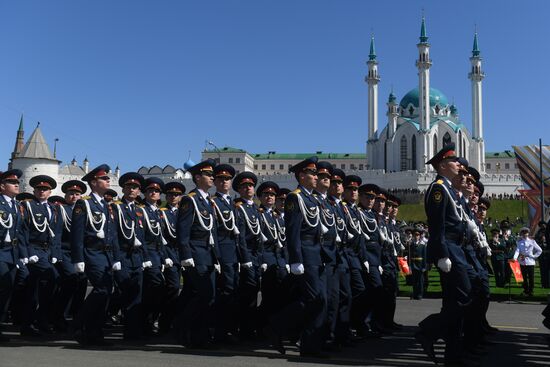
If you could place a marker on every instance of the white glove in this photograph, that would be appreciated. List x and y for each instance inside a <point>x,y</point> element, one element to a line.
<point>168,262</point>
<point>79,267</point>
<point>218,268</point>
<point>117,266</point>
<point>24,261</point>
<point>263,267</point>
<point>247,265</point>
<point>188,262</point>
<point>54,260</point>
<point>147,264</point>
<point>366,264</point>
<point>444,264</point>
<point>287,268</point>
<point>380,269</point>
<point>297,269</point>
<point>33,259</point>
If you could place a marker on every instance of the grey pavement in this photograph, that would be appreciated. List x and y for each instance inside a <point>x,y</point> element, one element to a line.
<point>521,341</point>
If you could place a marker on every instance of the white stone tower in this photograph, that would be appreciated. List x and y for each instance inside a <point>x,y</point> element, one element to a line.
<point>423,64</point>
<point>372,80</point>
<point>476,75</point>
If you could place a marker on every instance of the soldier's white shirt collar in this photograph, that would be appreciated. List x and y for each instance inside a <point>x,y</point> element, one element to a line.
<point>305,190</point>
<point>250,202</point>
<point>98,198</point>
<point>8,199</point>
<point>336,200</point>
<point>225,196</point>
<point>153,206</point>
<point>203,194</point>
<point>173,208</point>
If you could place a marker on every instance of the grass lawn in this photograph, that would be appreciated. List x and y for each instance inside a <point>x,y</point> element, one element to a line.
<point>499,294</point>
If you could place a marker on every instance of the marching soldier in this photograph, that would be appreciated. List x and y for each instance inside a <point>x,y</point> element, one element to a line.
<point>13,246</point>
<point>394,248</point>
<point>417,259</point>
<point>169,214</point>
<point>133,256</point>
<point>544,259</point>
<point>71,285</point>
<point>41,220</point>
<point>155,243</point>
<point>94,250</point>
<point>248,213</point>
<point>498,257</point>
<point>304,231</point>
<point>274,286</point>
<point>199,253</point>
<point>232,252</point>
<point>446,232</point>
<point>280,201</point>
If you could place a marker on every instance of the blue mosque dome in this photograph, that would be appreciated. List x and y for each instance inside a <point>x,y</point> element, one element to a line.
<point>188,164</point>
<point>436,97</point>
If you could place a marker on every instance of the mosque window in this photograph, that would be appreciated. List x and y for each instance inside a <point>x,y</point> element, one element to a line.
<point>488,165</point>
<point>403,153</point>
<point>437,110</point>
<point>446,139</point>
<point>435,143</point>
<point>413,147</point>
<point>411,110</point>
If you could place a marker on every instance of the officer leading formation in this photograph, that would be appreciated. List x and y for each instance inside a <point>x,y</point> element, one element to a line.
<point>317,266</point>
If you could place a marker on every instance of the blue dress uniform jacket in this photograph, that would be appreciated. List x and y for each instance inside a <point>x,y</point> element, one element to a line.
<point>328,243</point>
<point>251,232</point>
<point>131,256</point>
<point>302,239</point>
<point>169,219</point>
<point>16,248</point>
<point>371,226</point>
<point>193,239</point>
<point>273,253</point>
<point>355,246</point>
<point>153,235</point>
<point>40,229</point>
<point>232,246</point>
<point>86,246</point>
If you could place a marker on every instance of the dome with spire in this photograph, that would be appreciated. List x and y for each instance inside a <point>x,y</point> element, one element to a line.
<point>436,98</point>
<point>188,164</point>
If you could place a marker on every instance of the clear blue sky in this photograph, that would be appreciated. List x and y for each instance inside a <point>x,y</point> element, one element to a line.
<point>134,83</point>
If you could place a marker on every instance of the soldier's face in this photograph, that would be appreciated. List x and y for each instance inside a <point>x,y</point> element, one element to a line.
<point>481,213</point>
<point>308,179</point>
<point>280,203</point>
<point>323,182</point>
<point>367,200</point>
<point>131,191</point>
<point>379,205</point>
<point>72,196</point>
<point>173,199</point>
<point>246,191</point>
<point>223,184</point>
<point>10,188</point>
<point>449,168</point>
<point>152,194</point>
<point>474,197</point>
<point>205,179</point>
<point>336,188</point>
<point>101,184</point>
<point>42,193</point>
<point>351,194</point>
<point>395,211</point>
<point>267,199</point>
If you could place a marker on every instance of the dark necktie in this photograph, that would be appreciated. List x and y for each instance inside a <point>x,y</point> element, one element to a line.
<point>47,211</point>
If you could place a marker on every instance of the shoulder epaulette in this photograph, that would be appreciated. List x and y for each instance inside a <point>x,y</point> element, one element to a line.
<point>163,209</point>
<point>85,197</point>
<point>118,202</point>
<point>261,210</point>
<point>344,203</point>
<point>192,194</point>
<point>140,206</point>
<point>439,182</point>
<point>297,191</point>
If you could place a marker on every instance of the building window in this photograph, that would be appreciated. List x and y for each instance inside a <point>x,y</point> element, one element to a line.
<point>413,155</point>
<point>281,167</point>
<point>446,140</point>
<point>263,167</point>
<point>237,160</point>
<point>289,166</point>
<point>352,167</point>
<point>272,167</point>
<point>515,165</point>
<point>343,166</point>
<point>488,165</point>
<point>230,160</point>
<point>255,167</point>
<point>361,167</point>
<point>506,165</point>
<point>435,144</point>
<point>404,164</point>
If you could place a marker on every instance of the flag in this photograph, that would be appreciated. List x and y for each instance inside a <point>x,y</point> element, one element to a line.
<point>403,265</point>
<point>514,265</point>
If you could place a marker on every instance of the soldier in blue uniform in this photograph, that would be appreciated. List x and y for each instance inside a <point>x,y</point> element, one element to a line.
<point>280,200</point>
<point>232,253</point>
<point>94,250</point>
<point>251,231</point>
<point>274,286</point>
<point>198,250</point>
<point>498,256</point>
<point>71,287</point>
<point>13,245</point>
<point>41,220</point>
<point>303,233</point>
<point>329,250</point>
<point>342,334</point>
<point>169,214</point>
<point>155,243</point>
<point>133,255</point>
<point>446,233</point>
<point>417,261</point>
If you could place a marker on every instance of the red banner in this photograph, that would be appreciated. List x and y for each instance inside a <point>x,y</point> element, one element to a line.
<point>514,265</point>
<point>403,265</point>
